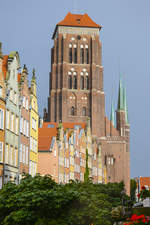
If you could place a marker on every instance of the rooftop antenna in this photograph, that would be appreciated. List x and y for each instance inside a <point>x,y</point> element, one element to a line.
<point>75,9</point>
<point>74,6</point>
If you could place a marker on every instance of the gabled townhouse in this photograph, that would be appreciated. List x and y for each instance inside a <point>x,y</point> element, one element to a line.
<point>24,132</point>
<point>11,65</point>
<point>34,120</point>
<point>48,158</point>
<point>62,152</point>
<point>2,119</point>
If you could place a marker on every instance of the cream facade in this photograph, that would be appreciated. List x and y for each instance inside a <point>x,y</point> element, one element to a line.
<point>11,172</point>
<point>34,120</point>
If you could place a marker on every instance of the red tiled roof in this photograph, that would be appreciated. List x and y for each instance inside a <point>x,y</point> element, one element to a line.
<point>144,181</point>
<point>77,20</point>
<point>45,137</point>
<point>4,65</point>
<point>44,143</point>
<point>46,133</point>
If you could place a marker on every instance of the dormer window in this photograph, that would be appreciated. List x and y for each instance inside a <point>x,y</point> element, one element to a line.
<point>78,20</point>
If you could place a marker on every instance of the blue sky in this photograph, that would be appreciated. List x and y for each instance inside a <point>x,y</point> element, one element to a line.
<point>27,26</point>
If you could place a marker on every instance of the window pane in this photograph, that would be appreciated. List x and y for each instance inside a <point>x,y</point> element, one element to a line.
<point>75,82</point>
<point>75,55</point>
<point>87,55</point>
<point>84,111</point>
<point>82,55</point>
<point>72,111</point>
<point>70,82</point>
<point>70,55</point>
<point>82,83</point>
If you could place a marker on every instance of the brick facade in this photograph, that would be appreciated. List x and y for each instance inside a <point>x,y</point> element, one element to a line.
<point>76,93</point>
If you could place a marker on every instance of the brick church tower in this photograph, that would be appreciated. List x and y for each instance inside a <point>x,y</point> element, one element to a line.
<point>76,93</point>
<point>76,78</point>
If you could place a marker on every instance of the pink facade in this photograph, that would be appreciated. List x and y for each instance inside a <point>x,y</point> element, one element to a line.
<point>48,161</point>
<point>24,121</point>
<point>62,152</point>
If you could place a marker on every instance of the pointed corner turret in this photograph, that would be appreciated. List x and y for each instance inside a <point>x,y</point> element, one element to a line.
<point>33,75</point>
<point>33,83</point>
<point>112,116</point>
<point>120,96</point>
<point>122,111</point>
<point>25,70</point>
<point>125,105</point>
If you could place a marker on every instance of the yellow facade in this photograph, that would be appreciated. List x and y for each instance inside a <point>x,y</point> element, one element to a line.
<point>34,120</point>
<point>2,120</point>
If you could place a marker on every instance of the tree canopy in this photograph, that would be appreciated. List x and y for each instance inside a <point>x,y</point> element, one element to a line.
<point>40,201</point>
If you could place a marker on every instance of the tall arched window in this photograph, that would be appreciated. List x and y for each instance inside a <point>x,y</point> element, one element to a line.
<point>82,83</point>
<point>57,52</point>
<point>84,111</point>
<point>72,111</point>
<point>82,55</point>
<point>75,82</point>
<point>75,55</point>
<point>70,82</point>
<point>87,82</point>
<point>62,50</point>
<point>70,54</point>
<point>87,56</point>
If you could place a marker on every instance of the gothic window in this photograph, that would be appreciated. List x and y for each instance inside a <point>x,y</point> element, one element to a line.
<point>75,55</point>
<point>87,82</point>
<point>57,52</point>
<point>70,82</point>
<point>87,56</point>
<point>82,83</point>
<point>62,50</point>
<point>72,111</point>
<point>84,111</point>
<point>70,53</point>
<point>75,82</point>
<point>82,55</point>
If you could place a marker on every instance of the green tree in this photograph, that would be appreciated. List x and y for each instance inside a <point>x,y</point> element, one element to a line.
<point>86,174</point>
<point>40,201</point>
<point>133,187</point>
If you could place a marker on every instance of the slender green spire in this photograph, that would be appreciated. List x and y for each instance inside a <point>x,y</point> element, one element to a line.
<point>125,105</point>
<point>112,116</point>
<point>120,96</point>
